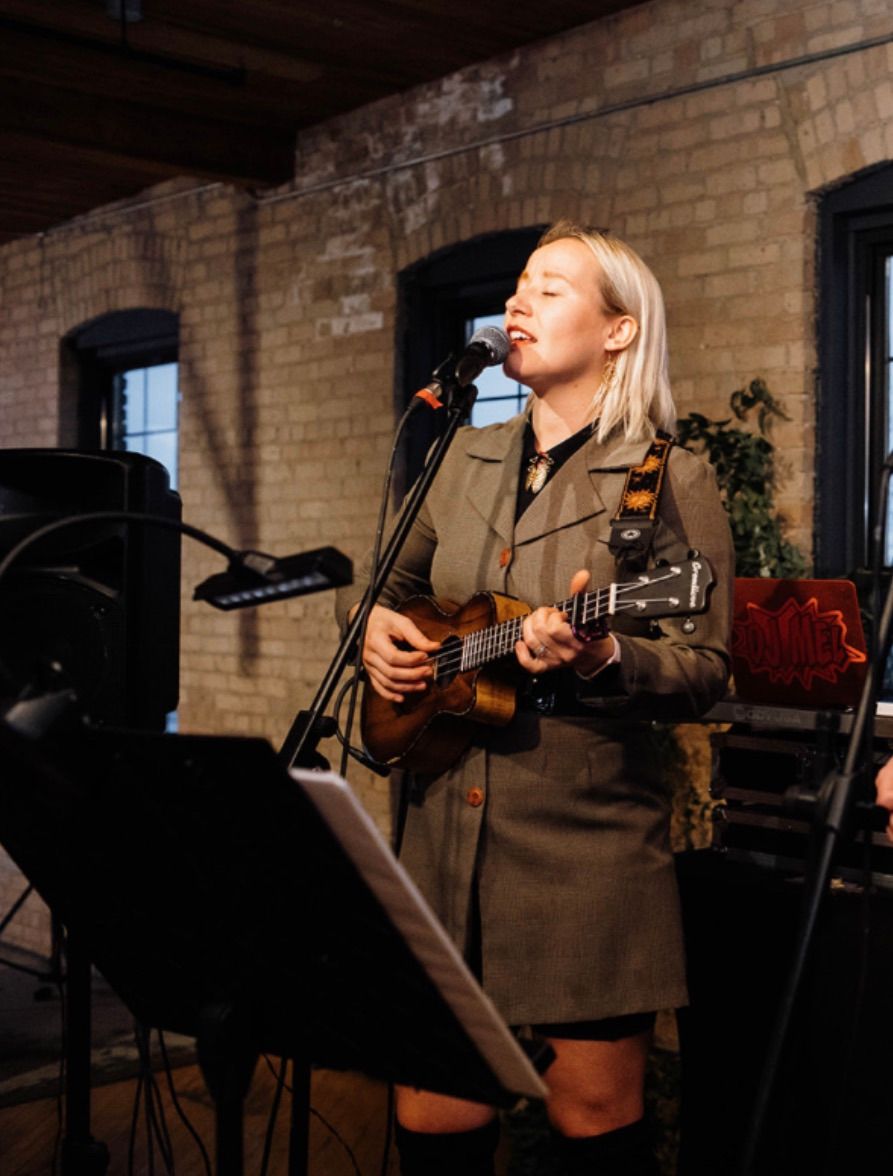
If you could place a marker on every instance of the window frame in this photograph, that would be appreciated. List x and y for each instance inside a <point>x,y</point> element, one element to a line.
<point>437,295</point>
<point>105,348</point>
<point>856,235</point>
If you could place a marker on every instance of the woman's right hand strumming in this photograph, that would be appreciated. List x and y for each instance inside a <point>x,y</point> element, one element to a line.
<point>395,654</point>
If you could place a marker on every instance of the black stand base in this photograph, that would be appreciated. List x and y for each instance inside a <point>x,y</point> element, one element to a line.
<point>227,1060</point>
<point>88,1157</point>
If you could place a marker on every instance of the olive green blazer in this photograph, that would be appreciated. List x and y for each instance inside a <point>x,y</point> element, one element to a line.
<point>545,849</point>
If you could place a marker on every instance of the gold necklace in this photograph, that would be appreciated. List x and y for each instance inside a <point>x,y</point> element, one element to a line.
<point>538,469</point>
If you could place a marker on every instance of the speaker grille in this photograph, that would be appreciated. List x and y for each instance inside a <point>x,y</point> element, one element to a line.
<point>101,600</point>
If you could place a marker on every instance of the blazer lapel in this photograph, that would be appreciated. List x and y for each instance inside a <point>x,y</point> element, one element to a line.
<point>572,495</point>
<point>493,486</point>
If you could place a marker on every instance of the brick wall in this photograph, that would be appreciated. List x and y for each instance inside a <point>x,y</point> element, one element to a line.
<point>701,132</point>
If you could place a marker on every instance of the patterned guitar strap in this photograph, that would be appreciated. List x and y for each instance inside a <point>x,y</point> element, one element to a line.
<point>632,528</point>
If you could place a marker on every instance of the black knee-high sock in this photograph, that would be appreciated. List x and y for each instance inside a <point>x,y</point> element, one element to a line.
<point>459,1153</point>
<point>625,1151</point>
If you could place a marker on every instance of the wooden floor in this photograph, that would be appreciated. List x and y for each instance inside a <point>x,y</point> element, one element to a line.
<point>355,1106</point>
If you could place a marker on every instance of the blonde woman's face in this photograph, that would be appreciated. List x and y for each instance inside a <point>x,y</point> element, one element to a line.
<point>557,322</point>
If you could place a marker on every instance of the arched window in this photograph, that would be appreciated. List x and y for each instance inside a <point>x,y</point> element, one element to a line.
<point>128,392</point>
<point>855,404</point>
<point>443,299</point>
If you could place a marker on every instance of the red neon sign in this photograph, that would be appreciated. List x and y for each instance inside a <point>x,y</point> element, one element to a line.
<point>796,641</point>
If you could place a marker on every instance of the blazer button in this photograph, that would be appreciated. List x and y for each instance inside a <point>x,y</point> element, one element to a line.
<point>505,557</point>
<point>475,797</point>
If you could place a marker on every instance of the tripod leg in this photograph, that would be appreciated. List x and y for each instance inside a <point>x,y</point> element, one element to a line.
<point>82,1155</point>
<point>299,1136</point>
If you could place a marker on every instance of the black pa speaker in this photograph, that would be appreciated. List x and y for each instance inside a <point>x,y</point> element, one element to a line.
<point>95,605</point>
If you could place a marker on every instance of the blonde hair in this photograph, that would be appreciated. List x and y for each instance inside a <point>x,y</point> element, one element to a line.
<point>639,399</point>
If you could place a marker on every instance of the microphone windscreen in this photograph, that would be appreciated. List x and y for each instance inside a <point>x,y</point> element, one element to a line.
<point>495,340</point>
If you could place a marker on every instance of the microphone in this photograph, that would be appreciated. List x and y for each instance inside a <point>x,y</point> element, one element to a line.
<point>487,347</point>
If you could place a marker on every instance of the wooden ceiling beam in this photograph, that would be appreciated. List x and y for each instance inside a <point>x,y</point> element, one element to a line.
<point>245,84</point>
<point>253,49</point>
<point>45,183</point>
<point>107,70</point>
<point>91,112</point>
<point>135,131</point>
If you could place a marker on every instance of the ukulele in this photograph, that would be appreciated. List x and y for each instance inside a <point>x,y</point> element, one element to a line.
<point>475,671</point>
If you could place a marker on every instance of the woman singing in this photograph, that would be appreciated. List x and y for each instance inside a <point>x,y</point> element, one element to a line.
<point>545,849</point>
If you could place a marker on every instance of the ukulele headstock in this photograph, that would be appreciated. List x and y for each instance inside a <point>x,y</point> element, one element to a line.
<point>678,587</point>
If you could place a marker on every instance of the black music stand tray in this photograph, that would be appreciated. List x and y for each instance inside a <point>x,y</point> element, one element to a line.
<point>220,901</point>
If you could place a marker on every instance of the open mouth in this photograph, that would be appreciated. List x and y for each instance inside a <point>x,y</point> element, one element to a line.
<point>518,336</point>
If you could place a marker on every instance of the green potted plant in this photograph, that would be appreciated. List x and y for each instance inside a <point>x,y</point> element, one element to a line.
<point>744,460</point>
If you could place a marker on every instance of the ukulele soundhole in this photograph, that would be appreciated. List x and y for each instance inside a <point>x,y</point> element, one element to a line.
<point>449,659</point>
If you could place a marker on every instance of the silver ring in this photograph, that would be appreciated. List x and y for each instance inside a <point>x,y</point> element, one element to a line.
<point>539,653</point>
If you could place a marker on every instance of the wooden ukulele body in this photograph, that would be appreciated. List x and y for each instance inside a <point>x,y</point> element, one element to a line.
<point>476,671</point>
<point>430,730</point>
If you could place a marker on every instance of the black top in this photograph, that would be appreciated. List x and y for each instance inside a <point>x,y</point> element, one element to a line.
<point>550,461</point>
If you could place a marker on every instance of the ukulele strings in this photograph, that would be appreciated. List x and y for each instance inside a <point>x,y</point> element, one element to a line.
<point>594,605</point>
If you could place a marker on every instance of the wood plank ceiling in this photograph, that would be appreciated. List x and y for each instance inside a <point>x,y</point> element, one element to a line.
<point>94,108</point>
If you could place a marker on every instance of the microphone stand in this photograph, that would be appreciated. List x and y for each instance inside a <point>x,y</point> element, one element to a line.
<point>309,726</point>
<point>836,810</point>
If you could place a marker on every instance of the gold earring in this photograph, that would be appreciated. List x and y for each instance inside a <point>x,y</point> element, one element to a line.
<point>609,375</point>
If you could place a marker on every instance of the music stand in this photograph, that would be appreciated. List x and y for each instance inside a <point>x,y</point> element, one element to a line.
<point>219,903</point>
